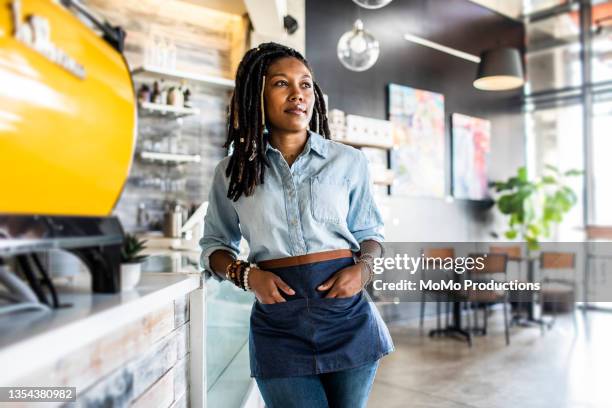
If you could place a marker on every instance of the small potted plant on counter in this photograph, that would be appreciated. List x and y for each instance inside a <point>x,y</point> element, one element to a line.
<point>131,261</point>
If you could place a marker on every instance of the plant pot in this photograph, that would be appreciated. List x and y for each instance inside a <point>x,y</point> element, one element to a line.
<point>130,275</point>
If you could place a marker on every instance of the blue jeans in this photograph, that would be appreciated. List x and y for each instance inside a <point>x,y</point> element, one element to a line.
<point>339,389</point>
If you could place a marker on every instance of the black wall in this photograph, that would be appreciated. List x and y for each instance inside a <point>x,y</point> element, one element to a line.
<point>458,24</point>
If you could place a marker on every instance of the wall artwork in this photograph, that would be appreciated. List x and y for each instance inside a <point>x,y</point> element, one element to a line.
<point>471,147</point>
<point>419,142</point>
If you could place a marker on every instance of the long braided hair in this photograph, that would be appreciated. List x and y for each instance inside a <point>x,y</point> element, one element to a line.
<point>246,118</point>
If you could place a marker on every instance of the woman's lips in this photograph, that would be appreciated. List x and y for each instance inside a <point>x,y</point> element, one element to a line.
<point>298,112</point>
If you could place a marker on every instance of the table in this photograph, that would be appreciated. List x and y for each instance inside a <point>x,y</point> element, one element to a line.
<point>530,319</point>
<point>455,329</point>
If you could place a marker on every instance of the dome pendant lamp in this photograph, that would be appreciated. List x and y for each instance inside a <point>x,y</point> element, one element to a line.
<point>500,69</point>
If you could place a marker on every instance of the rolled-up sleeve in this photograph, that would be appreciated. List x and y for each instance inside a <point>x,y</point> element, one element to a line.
<point>221,223</point>
<point>364,218</point>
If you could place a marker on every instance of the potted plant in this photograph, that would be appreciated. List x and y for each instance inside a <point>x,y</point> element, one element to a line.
<point>534,206</point>
<point>131,261</point>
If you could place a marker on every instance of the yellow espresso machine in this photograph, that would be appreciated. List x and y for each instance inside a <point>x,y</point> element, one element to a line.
<point>67,136</point>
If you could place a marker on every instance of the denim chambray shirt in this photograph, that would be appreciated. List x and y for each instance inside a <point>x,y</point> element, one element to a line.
<point>322,202</point>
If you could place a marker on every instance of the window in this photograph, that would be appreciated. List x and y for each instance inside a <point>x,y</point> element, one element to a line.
<point>602,163</point>
<point>555,136</point>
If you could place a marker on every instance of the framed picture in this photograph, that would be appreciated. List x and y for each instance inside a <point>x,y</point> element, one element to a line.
<point>471,147</point>
<point>418,155</point>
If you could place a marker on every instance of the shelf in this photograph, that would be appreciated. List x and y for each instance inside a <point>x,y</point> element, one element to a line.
<point>362,144</point>
<point>154,72</point>
<point>170,157</point>
<point>158,109</point>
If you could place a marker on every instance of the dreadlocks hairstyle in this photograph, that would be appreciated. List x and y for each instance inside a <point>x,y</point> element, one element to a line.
<point>246,118</point>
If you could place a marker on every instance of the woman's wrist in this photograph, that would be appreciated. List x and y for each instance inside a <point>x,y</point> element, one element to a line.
<point>238,272</point>
<point>366,261</point>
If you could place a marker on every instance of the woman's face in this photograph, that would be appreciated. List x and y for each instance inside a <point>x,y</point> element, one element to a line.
<point>289,95</point>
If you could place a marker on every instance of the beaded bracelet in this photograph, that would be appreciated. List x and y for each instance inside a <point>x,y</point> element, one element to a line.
<point>238,273</point>
<point>245,285</point>
<point>233,273</point>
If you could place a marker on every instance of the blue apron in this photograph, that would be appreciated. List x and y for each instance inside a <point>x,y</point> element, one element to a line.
<point>310,334</point>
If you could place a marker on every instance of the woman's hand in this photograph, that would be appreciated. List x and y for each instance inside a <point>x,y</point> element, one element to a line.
<point>345,283</point>
<point>266,286</point>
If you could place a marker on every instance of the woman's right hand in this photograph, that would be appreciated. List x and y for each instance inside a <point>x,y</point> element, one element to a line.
<point>266,286</point>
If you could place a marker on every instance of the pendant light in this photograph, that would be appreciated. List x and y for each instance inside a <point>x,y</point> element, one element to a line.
<point>357,49</point>
<point>372,4</point>
<point>500,69</point>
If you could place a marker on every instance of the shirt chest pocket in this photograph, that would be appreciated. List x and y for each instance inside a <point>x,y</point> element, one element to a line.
<point>329,200</point>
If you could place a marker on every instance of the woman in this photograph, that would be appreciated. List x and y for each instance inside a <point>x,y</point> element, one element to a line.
<point>304,205</point>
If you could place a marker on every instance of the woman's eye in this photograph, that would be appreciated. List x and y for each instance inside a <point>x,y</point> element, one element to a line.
<point>307,85</point>
<point>281,83</point>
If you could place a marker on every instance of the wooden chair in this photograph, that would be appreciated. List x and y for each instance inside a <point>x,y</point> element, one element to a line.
<point>557,290</point>
<point>599,232</point>
<point>495,265</point>
<point>595,235</point>
<point>515,255</point>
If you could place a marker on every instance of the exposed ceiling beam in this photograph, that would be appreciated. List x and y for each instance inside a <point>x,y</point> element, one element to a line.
<point>267,16</point>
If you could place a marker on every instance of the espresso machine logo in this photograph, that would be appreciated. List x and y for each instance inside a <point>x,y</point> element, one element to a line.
<point>35,32</point>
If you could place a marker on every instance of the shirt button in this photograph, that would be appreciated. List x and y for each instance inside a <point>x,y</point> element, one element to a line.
<point>294,222</point>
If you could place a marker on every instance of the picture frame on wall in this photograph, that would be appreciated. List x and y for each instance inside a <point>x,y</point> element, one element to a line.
<point>419,141</point>
<point>471,147</point>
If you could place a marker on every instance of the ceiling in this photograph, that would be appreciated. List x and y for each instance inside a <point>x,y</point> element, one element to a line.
<point>517,8</point>
<point>510,8</point>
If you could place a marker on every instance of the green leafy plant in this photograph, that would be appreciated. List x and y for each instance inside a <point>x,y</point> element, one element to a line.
<point>131,249</point>
<point>534,206</point>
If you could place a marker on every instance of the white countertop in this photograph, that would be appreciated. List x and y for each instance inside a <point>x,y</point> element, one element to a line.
<point>39,336</point>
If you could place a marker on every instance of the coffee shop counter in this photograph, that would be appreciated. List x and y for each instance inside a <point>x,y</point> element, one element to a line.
<point>133,347</point>
<point>228,311</point>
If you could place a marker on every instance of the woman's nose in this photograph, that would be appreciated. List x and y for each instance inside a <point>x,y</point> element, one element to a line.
<point>296,96</point>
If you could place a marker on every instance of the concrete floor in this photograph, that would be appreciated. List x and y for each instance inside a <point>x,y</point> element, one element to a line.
<point>564,368</point>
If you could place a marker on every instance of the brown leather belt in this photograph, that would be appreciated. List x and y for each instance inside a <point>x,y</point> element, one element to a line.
<point>305,259</point>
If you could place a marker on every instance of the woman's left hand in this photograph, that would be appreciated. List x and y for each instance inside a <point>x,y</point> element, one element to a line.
<point>346,282</point>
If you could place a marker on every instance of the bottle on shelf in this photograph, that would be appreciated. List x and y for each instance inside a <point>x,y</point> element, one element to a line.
<point>156,94</point>
<point>163,92</point>
<point>170,55</point>
<point>187,98</point>
<point>185,94</point>
<point>144,93</point>
<point>175,97</point>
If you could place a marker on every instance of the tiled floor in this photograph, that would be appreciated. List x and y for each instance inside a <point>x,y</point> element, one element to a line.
<point>564,368</point>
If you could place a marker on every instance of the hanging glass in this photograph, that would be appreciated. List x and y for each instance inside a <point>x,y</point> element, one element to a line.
<point>357,49</point>
<point>372,4</point>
